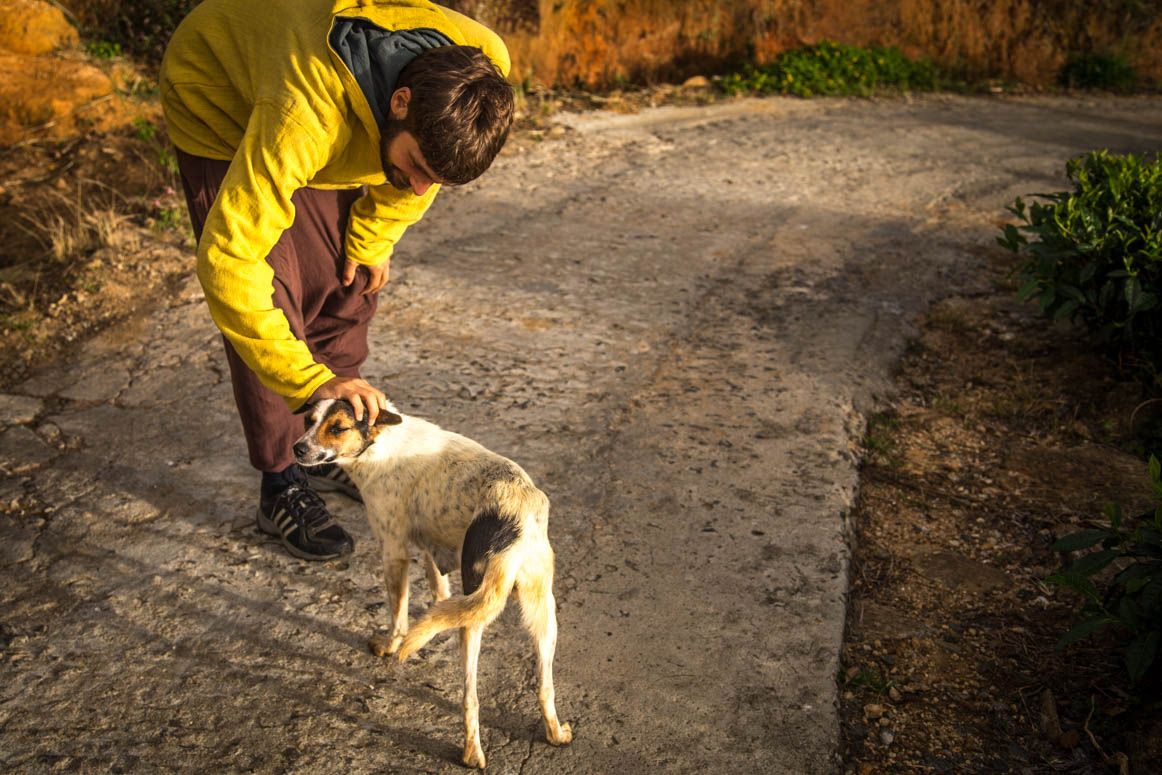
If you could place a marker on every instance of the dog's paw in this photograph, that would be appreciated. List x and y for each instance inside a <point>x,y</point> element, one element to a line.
<point>563,735</point>
<point>473,756</point>
<point>382,645</point>
<point>405,651</point>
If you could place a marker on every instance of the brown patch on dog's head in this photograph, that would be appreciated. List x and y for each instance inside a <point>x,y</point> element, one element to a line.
<point>334,433</point>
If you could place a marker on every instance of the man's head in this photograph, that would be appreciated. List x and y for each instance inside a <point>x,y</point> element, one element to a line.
<point>457,109</point>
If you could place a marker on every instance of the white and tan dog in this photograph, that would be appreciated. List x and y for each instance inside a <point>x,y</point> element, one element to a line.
<point>461,505</point>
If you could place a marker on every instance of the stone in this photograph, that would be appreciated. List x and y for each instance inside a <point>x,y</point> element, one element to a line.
<point>34,27</point>
<point>22,450</point>
<point>98,383</point>
<point>961,573</point>
<point>17,410</point>
<point>39,93</point>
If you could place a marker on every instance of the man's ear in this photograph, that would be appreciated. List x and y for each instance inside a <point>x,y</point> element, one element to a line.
<point>399,103</point>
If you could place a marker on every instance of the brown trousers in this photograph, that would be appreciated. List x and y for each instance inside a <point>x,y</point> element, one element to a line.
<point>308,270</point>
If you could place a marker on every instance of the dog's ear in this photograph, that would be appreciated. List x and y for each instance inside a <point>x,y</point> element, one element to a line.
<point>384,420</point>
<point>388,418</point>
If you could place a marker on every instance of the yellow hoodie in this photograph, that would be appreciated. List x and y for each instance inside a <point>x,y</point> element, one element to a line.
<point>257,83</point>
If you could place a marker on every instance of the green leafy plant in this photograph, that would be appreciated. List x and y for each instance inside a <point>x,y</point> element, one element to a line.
<point>1095,253</point>
<point>1133,597</point>
<point>828,68</point>
<point>1112,72</point>
<point>147,133</point>
<point>103,49</point>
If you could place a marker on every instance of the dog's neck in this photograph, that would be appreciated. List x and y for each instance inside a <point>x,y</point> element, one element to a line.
<point>411,437</point>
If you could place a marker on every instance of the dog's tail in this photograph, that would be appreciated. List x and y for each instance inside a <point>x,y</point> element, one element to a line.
<point>489,563</point>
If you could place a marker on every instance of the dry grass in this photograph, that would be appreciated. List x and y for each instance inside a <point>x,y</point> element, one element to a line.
<point>71,227</point>
<point>81,227</point>
<point>600,43</point>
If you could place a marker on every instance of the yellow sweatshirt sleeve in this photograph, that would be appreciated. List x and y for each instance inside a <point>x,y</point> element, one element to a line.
<point>278,154</point>
<point>379,218</point>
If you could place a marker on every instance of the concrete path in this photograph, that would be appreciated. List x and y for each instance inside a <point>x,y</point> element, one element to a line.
<point>673,320</point>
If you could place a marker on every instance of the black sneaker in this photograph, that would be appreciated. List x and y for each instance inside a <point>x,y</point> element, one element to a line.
<point>299,517</point>
<point>329,477</point>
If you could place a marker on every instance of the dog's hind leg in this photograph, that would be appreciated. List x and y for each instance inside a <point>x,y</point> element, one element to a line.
<point>437,582</point>
<point>469,656</point>
<point>539,609</point>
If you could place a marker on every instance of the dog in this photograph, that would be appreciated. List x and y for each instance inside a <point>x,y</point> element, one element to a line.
<point>462,506</point>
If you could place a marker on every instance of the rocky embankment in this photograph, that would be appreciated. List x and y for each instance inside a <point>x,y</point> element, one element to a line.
<point>49,86</point>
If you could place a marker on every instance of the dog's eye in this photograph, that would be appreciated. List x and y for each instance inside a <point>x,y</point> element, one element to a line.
<point>340,428</point>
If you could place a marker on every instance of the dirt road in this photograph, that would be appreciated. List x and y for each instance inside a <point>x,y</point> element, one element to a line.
<point>674,320</point>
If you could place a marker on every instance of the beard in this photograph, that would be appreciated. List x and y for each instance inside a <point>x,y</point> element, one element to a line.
<point>394,174</point>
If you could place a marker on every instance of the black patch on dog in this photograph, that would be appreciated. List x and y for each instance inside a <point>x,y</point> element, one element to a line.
<point>361,424</point>
<point>490,533</point>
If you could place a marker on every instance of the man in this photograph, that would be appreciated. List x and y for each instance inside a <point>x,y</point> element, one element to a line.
<point>309,138</point>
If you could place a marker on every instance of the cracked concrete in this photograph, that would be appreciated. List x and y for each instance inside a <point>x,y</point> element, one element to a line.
<point>675,321</point>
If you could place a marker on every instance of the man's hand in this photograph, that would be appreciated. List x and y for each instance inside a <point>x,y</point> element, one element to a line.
<point>358,391</point>
<point>378,274</point>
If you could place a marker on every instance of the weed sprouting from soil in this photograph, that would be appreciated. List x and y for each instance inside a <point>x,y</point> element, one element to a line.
<point>950,662</point>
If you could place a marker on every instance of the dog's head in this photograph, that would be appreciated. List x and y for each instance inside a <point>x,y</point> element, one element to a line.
<point>333,433</point>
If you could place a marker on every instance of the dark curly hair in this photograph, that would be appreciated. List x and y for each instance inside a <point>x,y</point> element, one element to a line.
<point>460,110</point>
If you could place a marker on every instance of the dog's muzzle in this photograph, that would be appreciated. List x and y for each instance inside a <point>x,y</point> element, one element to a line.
<point>309,456</point>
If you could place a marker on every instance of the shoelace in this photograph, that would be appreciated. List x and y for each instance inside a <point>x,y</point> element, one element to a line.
<point>308,508</point>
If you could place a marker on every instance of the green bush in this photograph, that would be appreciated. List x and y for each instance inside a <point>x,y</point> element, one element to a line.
<point>140,28</point>
<point>828,68</point>
<point>1096,252</point>
<point>1098,71</point>
<point>1133,598</point>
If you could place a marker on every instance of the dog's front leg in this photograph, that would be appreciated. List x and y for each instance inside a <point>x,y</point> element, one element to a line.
<point>469,655</point>
<point>395,579</point>
<point>437,582</point>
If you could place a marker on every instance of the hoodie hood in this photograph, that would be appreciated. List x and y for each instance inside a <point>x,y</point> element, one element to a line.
<point>376,56</point>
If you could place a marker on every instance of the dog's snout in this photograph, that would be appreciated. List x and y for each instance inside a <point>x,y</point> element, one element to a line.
<point>300,449</point>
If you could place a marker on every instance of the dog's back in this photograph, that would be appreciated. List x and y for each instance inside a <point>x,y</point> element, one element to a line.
<point>449,496</point>
<point>452,494</point>
<point>506,537</point>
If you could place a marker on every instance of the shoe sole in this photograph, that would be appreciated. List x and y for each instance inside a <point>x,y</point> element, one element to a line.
<point>268,527</point>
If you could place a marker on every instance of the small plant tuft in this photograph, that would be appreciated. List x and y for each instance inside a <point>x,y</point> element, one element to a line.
<point>139,28</point>
<point>1110,72</point>
<point>879,442</point>
<point>166,159</point>
<point>828,68</point>
<point>1132,600</point>
<point>103,49</point>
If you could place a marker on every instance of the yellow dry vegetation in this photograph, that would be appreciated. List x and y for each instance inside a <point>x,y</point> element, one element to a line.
<point>600,42</point>
<point>48,87</point>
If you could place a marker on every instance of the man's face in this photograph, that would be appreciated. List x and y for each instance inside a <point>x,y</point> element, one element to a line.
<point>403,163</point>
